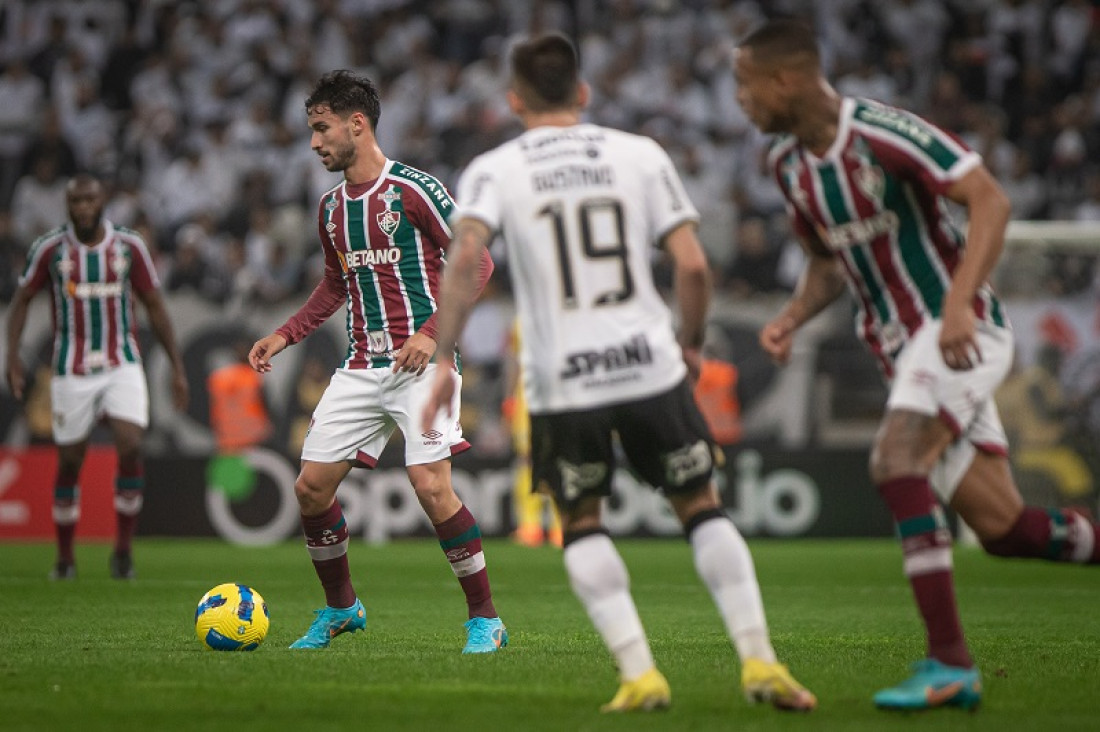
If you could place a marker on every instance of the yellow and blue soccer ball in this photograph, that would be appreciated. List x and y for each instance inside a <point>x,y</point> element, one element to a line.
<point>231,617</point>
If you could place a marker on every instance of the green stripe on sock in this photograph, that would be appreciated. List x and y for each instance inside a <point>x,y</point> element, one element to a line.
<point>917,525</point>
<point>129,484</point>
<point>65,493</point>
<point>1059,532</point>
<point>474,532</point>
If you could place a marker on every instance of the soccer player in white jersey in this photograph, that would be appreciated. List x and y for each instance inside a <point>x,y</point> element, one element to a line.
<point>93,270</point>
<point>581,209</point>
<point>866,187</point>
<point>383,231</point>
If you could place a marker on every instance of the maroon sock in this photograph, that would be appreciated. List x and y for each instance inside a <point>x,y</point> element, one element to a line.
<point>1055,535</point>
<point>327,543</point>
<point>460,538</point>
<point>129,495</point>
<point>926,548</point>
<point>66,513</point>
<point>65,534</point>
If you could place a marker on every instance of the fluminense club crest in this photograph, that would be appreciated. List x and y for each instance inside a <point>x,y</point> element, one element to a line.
<point>119,264</point>
<point>871,180</point>
<point>65,268</point>
<point>388,222</point>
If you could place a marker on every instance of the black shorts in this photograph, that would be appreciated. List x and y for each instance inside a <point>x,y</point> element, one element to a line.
<point>664,438</point>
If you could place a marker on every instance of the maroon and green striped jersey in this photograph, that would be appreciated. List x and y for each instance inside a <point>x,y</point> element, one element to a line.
<point>92,290</point>
<point>875,200</point>
<point>383,243</point>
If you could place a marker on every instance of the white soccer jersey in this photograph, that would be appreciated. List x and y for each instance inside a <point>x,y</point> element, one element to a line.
<point>581,209</point>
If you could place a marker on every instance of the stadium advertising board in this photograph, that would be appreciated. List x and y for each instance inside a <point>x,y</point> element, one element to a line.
<point>26,494</point>
<point>767,493</point>
<point>801,470</point>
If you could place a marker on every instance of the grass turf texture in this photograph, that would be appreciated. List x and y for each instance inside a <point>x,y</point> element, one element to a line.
<point>101,654</point>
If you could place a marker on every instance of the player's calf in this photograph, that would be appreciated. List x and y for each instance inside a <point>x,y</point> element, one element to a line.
<point>1057,535</point>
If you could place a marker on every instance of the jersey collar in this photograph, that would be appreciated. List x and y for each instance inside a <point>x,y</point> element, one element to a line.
<point>373,185</point>
<point>108,234</point>
<point>843,129</point>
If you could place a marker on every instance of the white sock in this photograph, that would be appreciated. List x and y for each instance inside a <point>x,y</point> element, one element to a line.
<point>723,561</point>
<point>600,581</point>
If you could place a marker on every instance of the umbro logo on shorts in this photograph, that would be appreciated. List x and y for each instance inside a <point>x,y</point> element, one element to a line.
<point>432,437</point>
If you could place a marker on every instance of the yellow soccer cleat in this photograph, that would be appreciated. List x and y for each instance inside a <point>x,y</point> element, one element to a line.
<point>644,694</point>
<point>772,682</point>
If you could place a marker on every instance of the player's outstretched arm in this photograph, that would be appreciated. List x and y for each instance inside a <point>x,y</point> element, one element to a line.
<point>263,350</point>
<point>821,283</point>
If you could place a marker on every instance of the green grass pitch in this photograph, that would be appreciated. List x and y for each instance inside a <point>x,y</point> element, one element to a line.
<point>97,654</point>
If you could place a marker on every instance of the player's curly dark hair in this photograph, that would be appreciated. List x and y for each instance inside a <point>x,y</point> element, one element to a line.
<point>345,92</point>
<point>545,71</point>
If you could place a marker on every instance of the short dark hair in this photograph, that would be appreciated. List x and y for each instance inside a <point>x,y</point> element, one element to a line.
<point>545,72</point>
<point>82,180</point>
<point>782,40</point>
<point>345,92</point>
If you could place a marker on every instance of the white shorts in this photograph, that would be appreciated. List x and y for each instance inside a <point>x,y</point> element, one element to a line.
<point>78,402</point>
<point>361,408</point>
<point>962,399</point>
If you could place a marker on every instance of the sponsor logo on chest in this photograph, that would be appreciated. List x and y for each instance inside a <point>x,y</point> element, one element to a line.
<point>372,257</point>
<point>635,352</point>
<point>862,231</point>
<point>93,290</point>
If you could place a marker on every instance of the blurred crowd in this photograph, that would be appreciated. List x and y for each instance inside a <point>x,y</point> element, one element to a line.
<point>192,110</point>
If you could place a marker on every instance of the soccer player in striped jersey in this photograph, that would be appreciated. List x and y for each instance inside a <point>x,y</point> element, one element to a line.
<point>383,230</point>
<point>581,209</point>
<point>93,270</point>
<point>867,187</point>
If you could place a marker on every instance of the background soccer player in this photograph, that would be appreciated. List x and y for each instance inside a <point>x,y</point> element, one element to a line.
<point>93,270</point>
<point>581,208</point>
<point>383,231</point>
<point>866,187</point>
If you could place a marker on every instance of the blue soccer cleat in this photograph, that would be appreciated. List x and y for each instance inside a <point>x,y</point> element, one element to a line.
<point>934,684</point>
<point>485,635</point>
<point>331,622</point>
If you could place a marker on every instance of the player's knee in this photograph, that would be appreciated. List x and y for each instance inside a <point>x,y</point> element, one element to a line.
<point>998,534</point>
<point>892,461</point>
<point>68,471</point>
<point>1002,547</point>
<point>310,494</point>
<point>1003,541</point>
<point>129,454</point>
<point>430,487</point>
